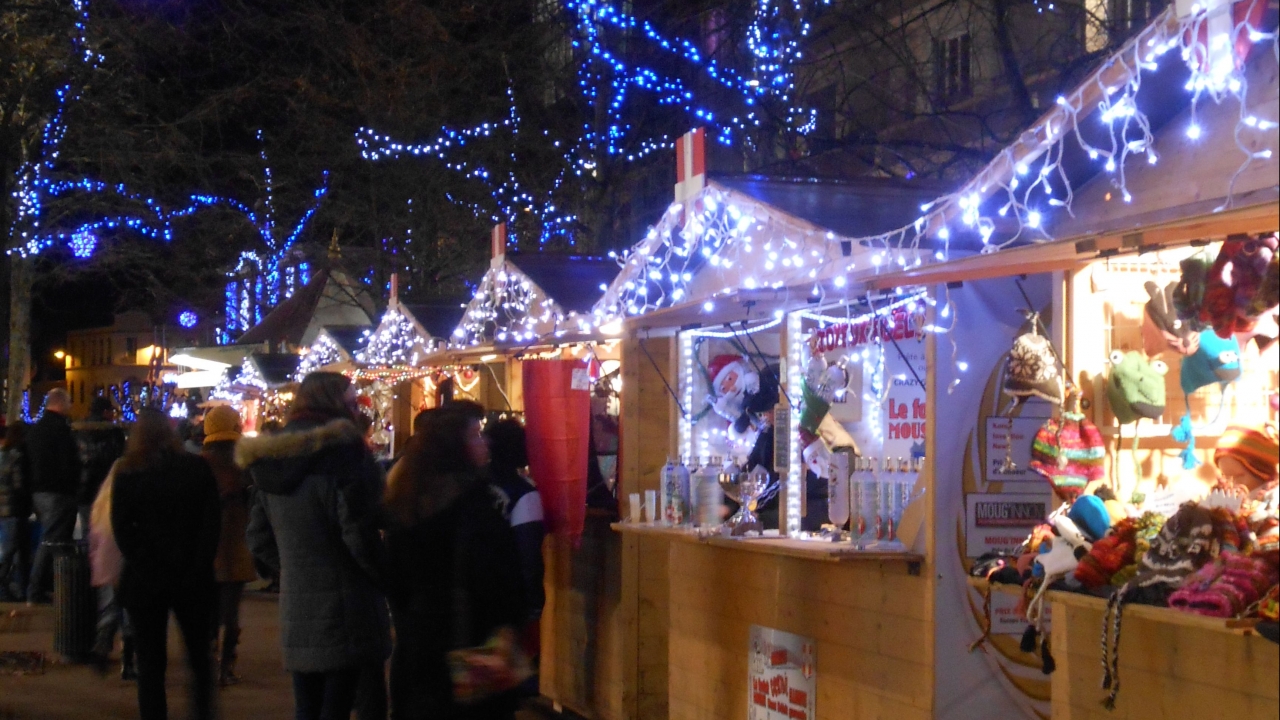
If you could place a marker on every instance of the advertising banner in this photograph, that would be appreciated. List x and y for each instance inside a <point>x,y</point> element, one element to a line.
<point>782,679</point>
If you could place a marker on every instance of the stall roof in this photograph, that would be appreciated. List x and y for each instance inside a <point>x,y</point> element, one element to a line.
<point>349,338</point>
<point>1199,188</point>
<point>276,369</point>
<point>573,281</point>
<point>853,208</point>
<point>438,319</point>
<point>331,298</point>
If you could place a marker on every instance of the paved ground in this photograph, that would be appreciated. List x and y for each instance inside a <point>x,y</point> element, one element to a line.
<point>74,692</point>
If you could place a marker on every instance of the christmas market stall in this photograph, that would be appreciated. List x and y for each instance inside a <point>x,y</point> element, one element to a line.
<point>1109,371</point>
<point>745,606</point>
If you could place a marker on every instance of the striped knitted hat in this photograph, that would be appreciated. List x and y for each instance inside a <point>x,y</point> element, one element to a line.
<point>1255,449</point>
<point>1069,453</point>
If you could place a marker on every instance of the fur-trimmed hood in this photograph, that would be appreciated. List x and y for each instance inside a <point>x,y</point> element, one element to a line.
<point>280,462</point>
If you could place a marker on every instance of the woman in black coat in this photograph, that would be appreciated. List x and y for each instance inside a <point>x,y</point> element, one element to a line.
<point>455,565</point>
<point>166,518</point>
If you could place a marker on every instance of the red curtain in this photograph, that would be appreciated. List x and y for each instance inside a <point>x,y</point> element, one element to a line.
<point>557,409</point>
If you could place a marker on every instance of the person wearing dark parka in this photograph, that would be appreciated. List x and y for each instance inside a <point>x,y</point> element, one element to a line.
<point>314,521</point>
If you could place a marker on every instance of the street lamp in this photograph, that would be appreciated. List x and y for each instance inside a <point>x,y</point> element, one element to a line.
<point>59,354</point>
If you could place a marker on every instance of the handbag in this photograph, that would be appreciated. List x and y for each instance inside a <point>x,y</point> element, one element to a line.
<point>106,562</point>
<point>499,664</point>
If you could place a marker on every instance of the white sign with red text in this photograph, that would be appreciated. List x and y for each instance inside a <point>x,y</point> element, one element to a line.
<point>782,677</point>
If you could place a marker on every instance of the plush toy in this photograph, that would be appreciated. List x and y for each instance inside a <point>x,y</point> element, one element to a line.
<point>1162,329</point>
<point>1135,388</point>
<point>1237,289</point>
<point>738,392</point>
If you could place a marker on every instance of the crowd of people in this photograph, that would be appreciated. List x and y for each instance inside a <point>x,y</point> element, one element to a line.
<point>435,565</point>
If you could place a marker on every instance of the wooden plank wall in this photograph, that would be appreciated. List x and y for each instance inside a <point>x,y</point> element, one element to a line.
<point>871,621</point>
<point>1166,670</point>
<point>648,428</point>
<point>581,628</point>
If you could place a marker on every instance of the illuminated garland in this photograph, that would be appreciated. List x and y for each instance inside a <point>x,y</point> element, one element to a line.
<point>507,307</point>
<point>324,351</point>
<point>397,341</point>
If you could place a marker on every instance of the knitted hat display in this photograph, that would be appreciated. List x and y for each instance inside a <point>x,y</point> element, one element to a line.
<point>1032,367</point>
<point>1188,294</point>
<point>1162,329</point>
<point>1235,293</point>
<point>1216,360</point>
<point>1257,451</point>
<point>1135,388</point>
<point>1226,587</point>
<point>1069,453</point>
<point>1108,555</point>
<point>1090,514</point>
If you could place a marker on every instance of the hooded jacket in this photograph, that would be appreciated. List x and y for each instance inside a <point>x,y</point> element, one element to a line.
<point>314,520</point>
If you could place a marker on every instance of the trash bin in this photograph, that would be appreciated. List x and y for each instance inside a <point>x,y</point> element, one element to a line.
<point>73,601</point>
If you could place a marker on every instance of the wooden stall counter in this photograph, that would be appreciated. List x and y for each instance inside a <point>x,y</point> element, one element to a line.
<point>1172,664</point>
<point>869,616</point>
<point>778,545</point>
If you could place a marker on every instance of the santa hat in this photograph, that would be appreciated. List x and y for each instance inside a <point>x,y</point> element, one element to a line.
<point>1255,450</point>
<point>719,363</point>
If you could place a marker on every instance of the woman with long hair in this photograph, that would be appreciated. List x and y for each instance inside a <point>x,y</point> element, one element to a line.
<point>165,517</point>
<point>455,564</point>
<point>314,521</point>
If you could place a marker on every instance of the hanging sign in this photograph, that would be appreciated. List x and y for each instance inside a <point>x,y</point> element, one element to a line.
<point>782,677</point>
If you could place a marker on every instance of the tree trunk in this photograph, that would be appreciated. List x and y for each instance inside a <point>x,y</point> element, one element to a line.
<point>20,272</point>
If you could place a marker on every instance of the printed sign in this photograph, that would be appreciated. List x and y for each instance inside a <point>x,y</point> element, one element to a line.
<point>1007,619</point>
<point>1001,521</point>
<point>782,438</point>
<point>782,677</point>
<point>1021,432</point>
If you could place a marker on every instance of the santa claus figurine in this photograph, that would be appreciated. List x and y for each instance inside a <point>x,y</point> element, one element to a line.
<point>733,383</point>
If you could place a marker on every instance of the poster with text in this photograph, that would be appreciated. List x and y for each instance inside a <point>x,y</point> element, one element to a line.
<point>1002,521</point>
<point>1011,438</point>
<point>782,676</point>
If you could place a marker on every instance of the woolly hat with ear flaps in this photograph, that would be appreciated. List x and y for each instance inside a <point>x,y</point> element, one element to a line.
<point>1135,388</point>
<point>1032,368</point>
<point>1069,453</point>
<point>1216,360</point>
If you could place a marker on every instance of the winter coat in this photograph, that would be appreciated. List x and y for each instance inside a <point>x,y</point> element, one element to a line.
<point>518,500</point>
<point>101,443</point>
<point>465,545</point>
<point>166,521</point>
<point>15,490</point>
<point>314,520</point>
<point>54,456</point>
<point>233,563</point>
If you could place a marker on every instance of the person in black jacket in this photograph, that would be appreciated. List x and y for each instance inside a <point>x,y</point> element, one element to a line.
<point>455,567</point>
<point>166,517</point>
<point>101,443</point>
<point>520,503</point>
<point>314,521</point>
<point>54,459</point>
<point>15,513</point>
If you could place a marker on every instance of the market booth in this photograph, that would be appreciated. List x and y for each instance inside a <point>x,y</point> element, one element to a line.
<point>1113,285</point>
<point>719,303</point>
<point>1041,261</point>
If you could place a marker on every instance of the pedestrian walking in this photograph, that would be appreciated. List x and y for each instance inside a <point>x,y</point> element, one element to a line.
<point>520,503</point>
<point>233,565</point>
<point>54,459</point>
<point>101,443</point>
<point>15,513</point>
<point>314,521</point>
<point>456,573</point>
<point>166,518</point>
<point>106,564</point>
